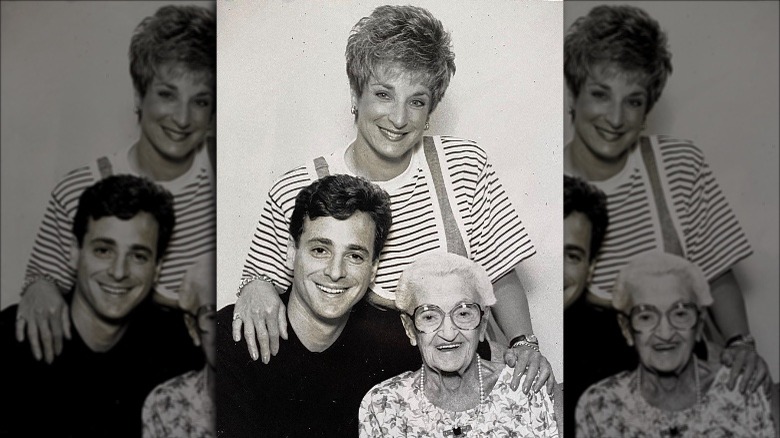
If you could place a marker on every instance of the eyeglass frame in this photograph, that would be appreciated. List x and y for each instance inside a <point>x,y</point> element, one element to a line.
<point>686,304</point>
<point>446,314</point>
<point>204,309</point>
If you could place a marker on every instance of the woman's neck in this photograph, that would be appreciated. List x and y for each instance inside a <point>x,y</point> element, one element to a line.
<point>579,161</point>
<point>314,333</point>
<point>99,335</point>
<point>148,162</point>
<point>364,162</point>
<point>456,391</point>
<point>671,391</point>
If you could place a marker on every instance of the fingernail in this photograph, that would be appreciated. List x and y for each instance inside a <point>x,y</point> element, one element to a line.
<point>235,338</point>
<point>254,355</point>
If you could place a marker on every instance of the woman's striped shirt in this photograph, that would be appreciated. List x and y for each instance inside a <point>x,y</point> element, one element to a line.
<point>493,234</point>
<point>706,226</point>
<point>194,234</point>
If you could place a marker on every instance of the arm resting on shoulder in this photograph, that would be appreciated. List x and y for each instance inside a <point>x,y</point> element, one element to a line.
<point>514,318</point>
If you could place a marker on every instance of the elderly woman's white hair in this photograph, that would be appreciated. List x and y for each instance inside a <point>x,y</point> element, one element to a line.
<point>656,264</point>
<point>432,266</point>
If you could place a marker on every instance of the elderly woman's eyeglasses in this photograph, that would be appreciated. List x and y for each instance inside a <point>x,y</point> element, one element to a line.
<point>645,318</point>
<point>429,318</point>
<point>206,318</point>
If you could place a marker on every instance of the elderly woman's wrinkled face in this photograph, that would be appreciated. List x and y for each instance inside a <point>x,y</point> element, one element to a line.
<point>448,348</point>
<point>666,303</point>
<point>391,114</point>
<point>176,113</point>
<point>609,112</point>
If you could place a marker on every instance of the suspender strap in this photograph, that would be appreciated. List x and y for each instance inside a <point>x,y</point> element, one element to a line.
<point>451,232</point>
<point>104,166</point>
<point>321,166</point>
<point>668,230</point>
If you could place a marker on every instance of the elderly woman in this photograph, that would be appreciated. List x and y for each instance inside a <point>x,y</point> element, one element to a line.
<point>662,300</point>
<point>443,189</point>
<point>444,300</point>
<point>173,68</point>
<point>661,193</point>
<point>184,405</point>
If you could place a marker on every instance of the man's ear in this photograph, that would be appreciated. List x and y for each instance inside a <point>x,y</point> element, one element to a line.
<point>291,250</point>
<point>591,269</point>
<point>411,333</point>
<point>157,271</point>
<point>192,328</point>
<point>75,251</point>
<point>374,267</point>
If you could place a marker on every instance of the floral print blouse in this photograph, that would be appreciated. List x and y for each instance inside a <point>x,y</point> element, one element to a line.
<point>180,407</point>
<point>613,407</point>
<point>397,408</point>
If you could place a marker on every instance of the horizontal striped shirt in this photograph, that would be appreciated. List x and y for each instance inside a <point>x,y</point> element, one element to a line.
<point>194,234</point>
<point>706,226</point>
<point>493,233</point>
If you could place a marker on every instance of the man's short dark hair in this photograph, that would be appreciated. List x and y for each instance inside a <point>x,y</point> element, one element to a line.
<point>339,197</point>
<point>124,196</point>
<point>580,196</point>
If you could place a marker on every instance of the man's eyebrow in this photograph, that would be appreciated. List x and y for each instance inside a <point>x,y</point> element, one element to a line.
<point>321,240</point>
<point>355,247</point>
<point>140,247</point>
<point>103,240</point>
<point>573,247</point>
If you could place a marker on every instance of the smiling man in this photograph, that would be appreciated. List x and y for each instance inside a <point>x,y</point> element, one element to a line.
<point>122,344</point>
<point>313,387</point>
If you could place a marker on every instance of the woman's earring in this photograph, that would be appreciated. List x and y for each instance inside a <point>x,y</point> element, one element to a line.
<point>353,110</point>
<point>426,126</point>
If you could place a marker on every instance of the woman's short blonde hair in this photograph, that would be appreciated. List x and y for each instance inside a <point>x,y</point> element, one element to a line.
<point>435,265</point>
<point>656,264</point>
<point>619,35</point>
<point>176,34</point>
<point>405,37</point>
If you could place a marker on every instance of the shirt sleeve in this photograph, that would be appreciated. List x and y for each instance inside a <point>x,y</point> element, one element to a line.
<point>152,423</point>
<point>584,417</point>
<point>499,240</point>
<point>370,423</point>
<point>51,250</point>
<point>714,238</point>
<point>268,248</point>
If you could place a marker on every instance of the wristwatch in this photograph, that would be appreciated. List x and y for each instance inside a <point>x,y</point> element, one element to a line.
<point>524,339</point>
<point>740,339</point>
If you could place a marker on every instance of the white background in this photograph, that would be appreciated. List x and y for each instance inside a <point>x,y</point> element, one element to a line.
<point>284,99</point>
<point>723,95</point>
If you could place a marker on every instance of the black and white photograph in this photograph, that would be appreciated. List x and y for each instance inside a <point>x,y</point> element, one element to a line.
<point>108,218</point>
<point>453,112</point>
<point>671,218</point>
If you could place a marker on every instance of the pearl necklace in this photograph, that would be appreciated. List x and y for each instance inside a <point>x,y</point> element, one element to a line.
<point>459,430</point>
<point>674,430</point>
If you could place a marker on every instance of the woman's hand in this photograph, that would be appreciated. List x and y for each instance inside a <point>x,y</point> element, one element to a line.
<point>526,360</point>
<point>745,361</point>
<point>263,317</point>
<point>43,315</point>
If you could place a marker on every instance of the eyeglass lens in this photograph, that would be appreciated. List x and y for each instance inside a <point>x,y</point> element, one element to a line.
<point>682,316</point>
<point>429,318</point>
